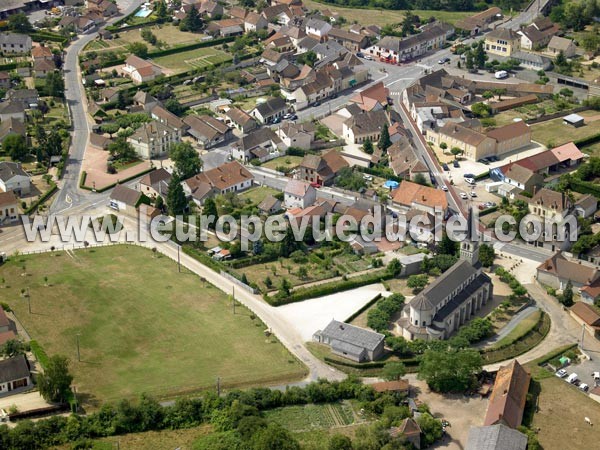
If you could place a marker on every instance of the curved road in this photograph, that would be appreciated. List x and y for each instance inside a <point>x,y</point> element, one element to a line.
<point>69,193</point>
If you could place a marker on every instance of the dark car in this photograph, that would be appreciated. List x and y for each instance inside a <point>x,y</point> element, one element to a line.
<point>455,163</point>
<point>317,104</point>
<point>360,54</point>
<point>445,167</point>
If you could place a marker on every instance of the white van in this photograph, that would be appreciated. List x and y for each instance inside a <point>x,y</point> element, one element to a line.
<point>572,378</point>
<point>501,74</point>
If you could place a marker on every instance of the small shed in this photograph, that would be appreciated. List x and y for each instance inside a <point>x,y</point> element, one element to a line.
<point>574,120</point>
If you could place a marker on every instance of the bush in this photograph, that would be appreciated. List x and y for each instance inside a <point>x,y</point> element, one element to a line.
<point>380,316</point>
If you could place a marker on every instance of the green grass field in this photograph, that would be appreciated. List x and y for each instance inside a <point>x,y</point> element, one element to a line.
<point>201,57</point>
<point>258,194</point>
<point>522,328</point>
<point>289,162</point>
<point>313,417</point>
<point>143,326</point>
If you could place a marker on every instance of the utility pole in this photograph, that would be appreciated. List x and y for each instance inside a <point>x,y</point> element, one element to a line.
<point>28,301</point>
<point>78,352</point>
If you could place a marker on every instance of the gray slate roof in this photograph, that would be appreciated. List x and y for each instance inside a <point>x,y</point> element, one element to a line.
<point>10,169</point>
<point>350,334</point>
<point>496,437</point>
<point>271,106</point>
<point>13,369</point>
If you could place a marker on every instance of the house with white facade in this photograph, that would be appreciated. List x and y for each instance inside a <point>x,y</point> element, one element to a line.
<point>14,178</point>
<point>153,139</point>
<point>299,194</point>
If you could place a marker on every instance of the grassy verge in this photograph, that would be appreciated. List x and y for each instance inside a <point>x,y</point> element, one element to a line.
<point>523,328</point>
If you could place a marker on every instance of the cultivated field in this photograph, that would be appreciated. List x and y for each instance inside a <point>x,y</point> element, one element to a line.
<point>143,327</point>
<point>560,417</point>
<point>553,132</point>
<point>313,417</point>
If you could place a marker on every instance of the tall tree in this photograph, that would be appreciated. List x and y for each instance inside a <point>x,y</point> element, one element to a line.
<point>54,144</point>
<point>186,160</point>
<point>450,370</point>
<point>162,14</point>
<point>384,139</point>
<point>176,201</point>
<point>55,382</point>
<point>480,55</point>
<point>368,147</point>
<point>567,295</point>
<point>393,370</point>
<point>138,49</point>
<point>192,22</point>
<point>55,84</point>
<point>210,209</point>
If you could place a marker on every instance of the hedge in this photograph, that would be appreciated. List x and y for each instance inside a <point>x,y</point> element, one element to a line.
<point>34,206</point>
<point>251,260</point>
<point>584,187</point>
<point>10,66</point>
<point>588,140</point>
<point>39,352</point>
<point>482,176</point>
<point>43,36</point>
<point>82,180</point>
<point>363,309</point>
<point>203,258</point>
<point>521,345</point>
<point>330,288</point>
<point>487,211</point>
<point>554,353</point>
<point>174,50</point>
<point>110,186</point>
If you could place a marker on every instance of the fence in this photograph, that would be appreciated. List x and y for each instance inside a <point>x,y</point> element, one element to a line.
<point>556,115</point>
<point>238,282</point>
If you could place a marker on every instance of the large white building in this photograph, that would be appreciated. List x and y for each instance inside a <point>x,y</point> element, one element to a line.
<point>450,300</point>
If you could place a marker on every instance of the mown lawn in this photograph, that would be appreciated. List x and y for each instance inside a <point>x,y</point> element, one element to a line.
<point>258,194</point>
<point>521,329</point>
<point>289,162</point>
<point>201,57</point>
<point>143,326</point>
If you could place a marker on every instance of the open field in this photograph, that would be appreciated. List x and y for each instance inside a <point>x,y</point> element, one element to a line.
<point>193,59</point>
<point>527,112</point>
<point>258,194</point>
<point>553,132</point>
<point>143,327</point>
<point>383,17</point>
<point>522,327</point>
<point>560,416</point>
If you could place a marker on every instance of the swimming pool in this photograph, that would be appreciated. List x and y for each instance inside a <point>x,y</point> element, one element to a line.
<point>143,12</point>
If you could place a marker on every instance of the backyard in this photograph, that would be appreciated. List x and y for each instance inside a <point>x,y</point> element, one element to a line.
<point>143,327</point>
<point>289,162</point>
<point>258,194</point>
<point>193,59</point>
<point>553,133</point>
<point>314,417</point>
<point>531,111</point>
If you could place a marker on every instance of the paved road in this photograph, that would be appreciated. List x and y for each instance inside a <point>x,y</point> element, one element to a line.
<point>69,193</point>
<point>511,325</point>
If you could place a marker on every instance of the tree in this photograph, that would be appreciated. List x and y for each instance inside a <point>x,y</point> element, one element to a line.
<point>393,371</point>
<point>309,58</point>
<point>443,145</point>
<point>186,160</point>
<point>210,209</point>
<point>417,282</point>
<point>431,429</point>
<point>456,151</point>
<point>420,179</point>
<point>499,93</point>
<point>110,128</point>
<point>174,106</point>
<point>122,100</point>
<point>450,370</point>
<point>339,442</point>
<point>54,144</point>
<point>561,59</point>
<point>284,288</point>
<point>302,272</point>
<point>162,14</point>
<point>16,147</point>
<point>55,84</point>
<point>138,49</point>
<point>121,150</point>
<point>481,109</point>
<point>394,267</point>
<point>486,255</point>
<point>567,295</point>
<point>159,203</point>
<point>192,22</point>
<point>176,201</point>
<point>384,139</point>
<point>19,23</point>
<point>12,348</point>
<point>368,147</point>
<point>470,62</point>
<point>55,382</point>
<point>447,246</point>
<point>479,55</point>
<point>488,95</point>
<point>274,437</point>
<point>288,244</point>
<point>349,179</point>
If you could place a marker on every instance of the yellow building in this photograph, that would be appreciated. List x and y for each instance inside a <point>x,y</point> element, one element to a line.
<point>502,41</point>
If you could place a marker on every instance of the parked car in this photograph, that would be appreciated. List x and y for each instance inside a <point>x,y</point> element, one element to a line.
<point>455,163</point>
<point>584,387</point>
<point>315,185</point>
<point>445,167</point>
<point>360,54</point>
<point>368,57</point>
<point>468,175</point>
<point>501,74</point>
<point>573,378</point>
<point>276,120</point>
<point>489,204</point>
<point>471,181</point>
<point>444,60</point>
<point>444,188</point>
<point>293,117</point>
<point>561,373</point>
<point>464,196</point>
<point>317,104</point>
<point>473,194</point>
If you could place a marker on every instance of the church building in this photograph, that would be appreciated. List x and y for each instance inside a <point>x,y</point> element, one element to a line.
<point>451,299</point>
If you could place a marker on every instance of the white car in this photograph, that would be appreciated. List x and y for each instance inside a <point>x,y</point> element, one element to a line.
<point>584,387</point>
<point>464,196</point>
<point>470,180</point>
<point>368,57</point>
<point>444,188</point>
<point>501,74</point>
<point>572,378</point>
<point>473,194</point>
<point>561,373</point>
